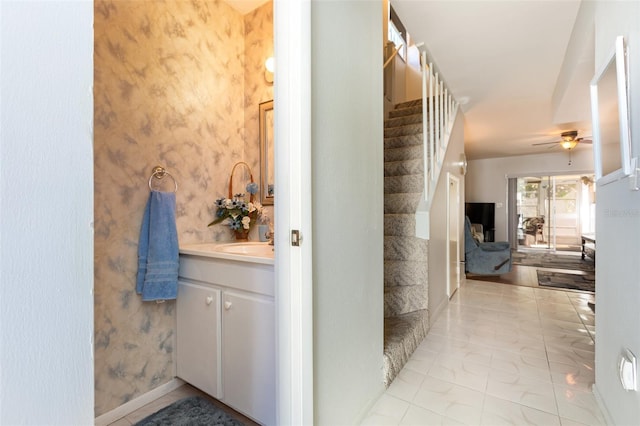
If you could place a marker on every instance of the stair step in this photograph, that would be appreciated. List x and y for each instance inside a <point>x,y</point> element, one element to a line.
<point>402,335</point>
<point>408,129</point>
<point>400,224</point>
<point>411,152</point>
<point>403,120</point>
<point>403,141</point>
<point>405,273</point>
<point>405,111</point>
<point>401,300</point>
<point>404,167</point>
<point>401,203</point>
<point>403,184</point>
<point>407,104</point>
<point>405,248</point>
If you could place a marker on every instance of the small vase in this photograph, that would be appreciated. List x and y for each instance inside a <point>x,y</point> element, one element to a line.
<point>262,233</point>
<point>242,235</point>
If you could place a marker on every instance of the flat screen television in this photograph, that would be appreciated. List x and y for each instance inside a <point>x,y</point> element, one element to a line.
<point>483,213</point>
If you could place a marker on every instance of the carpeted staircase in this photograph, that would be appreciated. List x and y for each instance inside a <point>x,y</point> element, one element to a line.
<point>405,256</point>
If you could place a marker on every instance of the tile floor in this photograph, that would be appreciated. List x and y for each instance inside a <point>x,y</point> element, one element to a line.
<point>500,355</point>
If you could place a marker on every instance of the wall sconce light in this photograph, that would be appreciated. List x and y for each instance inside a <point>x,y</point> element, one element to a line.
<point>463,164</point>
<point>269,66</point>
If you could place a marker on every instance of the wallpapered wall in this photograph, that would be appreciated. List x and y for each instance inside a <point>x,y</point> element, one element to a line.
<point>174,86</point>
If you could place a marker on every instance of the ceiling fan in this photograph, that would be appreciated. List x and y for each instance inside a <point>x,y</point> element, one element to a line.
<point>568,140</point>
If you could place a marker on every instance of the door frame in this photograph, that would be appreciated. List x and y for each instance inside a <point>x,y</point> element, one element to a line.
<point>293,265</point>
<point>453,228</point>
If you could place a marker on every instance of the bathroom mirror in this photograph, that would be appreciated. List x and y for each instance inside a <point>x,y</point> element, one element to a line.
<point>610,118</point>
<point>267,170</point>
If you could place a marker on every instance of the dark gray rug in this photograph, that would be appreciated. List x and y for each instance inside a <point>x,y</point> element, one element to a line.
<point>190,411</point>
<point>571,281</point>
<point>552,260</point>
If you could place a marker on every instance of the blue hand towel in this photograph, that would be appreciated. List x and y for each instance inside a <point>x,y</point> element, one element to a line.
<point>157,277</point>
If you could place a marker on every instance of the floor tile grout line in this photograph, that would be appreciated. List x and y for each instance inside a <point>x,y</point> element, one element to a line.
<point>555,399</point>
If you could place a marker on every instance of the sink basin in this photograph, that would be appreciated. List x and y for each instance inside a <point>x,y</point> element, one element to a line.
<point>253,252</point>
<point>247,249</point>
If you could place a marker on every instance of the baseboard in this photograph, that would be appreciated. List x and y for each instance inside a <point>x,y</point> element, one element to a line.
<point>603,408</point>
<point>435,313</point>
<point>131,406</point>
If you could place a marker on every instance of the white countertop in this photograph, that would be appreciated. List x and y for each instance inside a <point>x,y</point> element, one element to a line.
<point>221,251</point>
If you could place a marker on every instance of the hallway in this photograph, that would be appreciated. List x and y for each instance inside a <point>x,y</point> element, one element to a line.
<point>499,355</point>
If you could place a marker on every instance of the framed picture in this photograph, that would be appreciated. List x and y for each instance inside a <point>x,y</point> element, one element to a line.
<point>610,117</point>
<point>267,165</point>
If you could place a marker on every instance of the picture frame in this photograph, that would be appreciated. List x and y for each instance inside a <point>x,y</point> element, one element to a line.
<point>267,165</point>
<point>610,117</point>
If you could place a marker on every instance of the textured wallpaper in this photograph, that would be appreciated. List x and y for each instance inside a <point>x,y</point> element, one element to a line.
<point>169,90</point>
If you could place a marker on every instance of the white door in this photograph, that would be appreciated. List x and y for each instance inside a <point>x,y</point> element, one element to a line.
<point>453,233</point>
<point>294,295</point>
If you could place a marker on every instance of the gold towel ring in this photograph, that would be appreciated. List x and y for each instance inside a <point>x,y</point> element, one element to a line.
<point>159,172</point>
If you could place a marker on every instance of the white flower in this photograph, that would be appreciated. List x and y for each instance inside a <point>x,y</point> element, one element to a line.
<point>245,222</point>
<point>228,203</point>
<point>254,207</point>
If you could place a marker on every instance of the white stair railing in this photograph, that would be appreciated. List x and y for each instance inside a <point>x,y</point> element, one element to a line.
<point>439,110</point>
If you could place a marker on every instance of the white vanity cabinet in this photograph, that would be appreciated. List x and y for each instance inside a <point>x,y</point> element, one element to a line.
<point>226,332</point>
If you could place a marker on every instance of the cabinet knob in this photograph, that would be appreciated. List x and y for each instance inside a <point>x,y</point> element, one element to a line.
<point>227,305</point>
<point>209,300</point>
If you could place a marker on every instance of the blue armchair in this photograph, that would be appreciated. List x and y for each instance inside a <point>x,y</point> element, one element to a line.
<point>485,258</point>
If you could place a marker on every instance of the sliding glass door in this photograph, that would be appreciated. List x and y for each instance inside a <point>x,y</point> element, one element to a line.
<point>565,213</point>
<point>533,211</point>
<point>549,212</point>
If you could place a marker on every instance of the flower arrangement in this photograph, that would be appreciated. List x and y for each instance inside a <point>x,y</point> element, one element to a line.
<point>235,212</point>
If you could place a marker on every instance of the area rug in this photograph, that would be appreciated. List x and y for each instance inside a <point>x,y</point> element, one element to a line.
<point>190,411</point>
<point>552,260</point>
<point>571,281</point>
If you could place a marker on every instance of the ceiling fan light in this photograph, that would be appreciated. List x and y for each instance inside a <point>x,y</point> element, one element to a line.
<point>569,144</point>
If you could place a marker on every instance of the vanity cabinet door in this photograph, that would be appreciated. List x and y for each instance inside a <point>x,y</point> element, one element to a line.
<point>249,364</point>
<point>198,337</point>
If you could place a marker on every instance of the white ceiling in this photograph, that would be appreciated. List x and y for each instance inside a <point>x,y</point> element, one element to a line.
<point>508,59</point>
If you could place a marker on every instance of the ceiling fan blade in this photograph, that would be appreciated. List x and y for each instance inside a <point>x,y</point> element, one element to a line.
<point>544,143</point>
<point>587,141</point>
